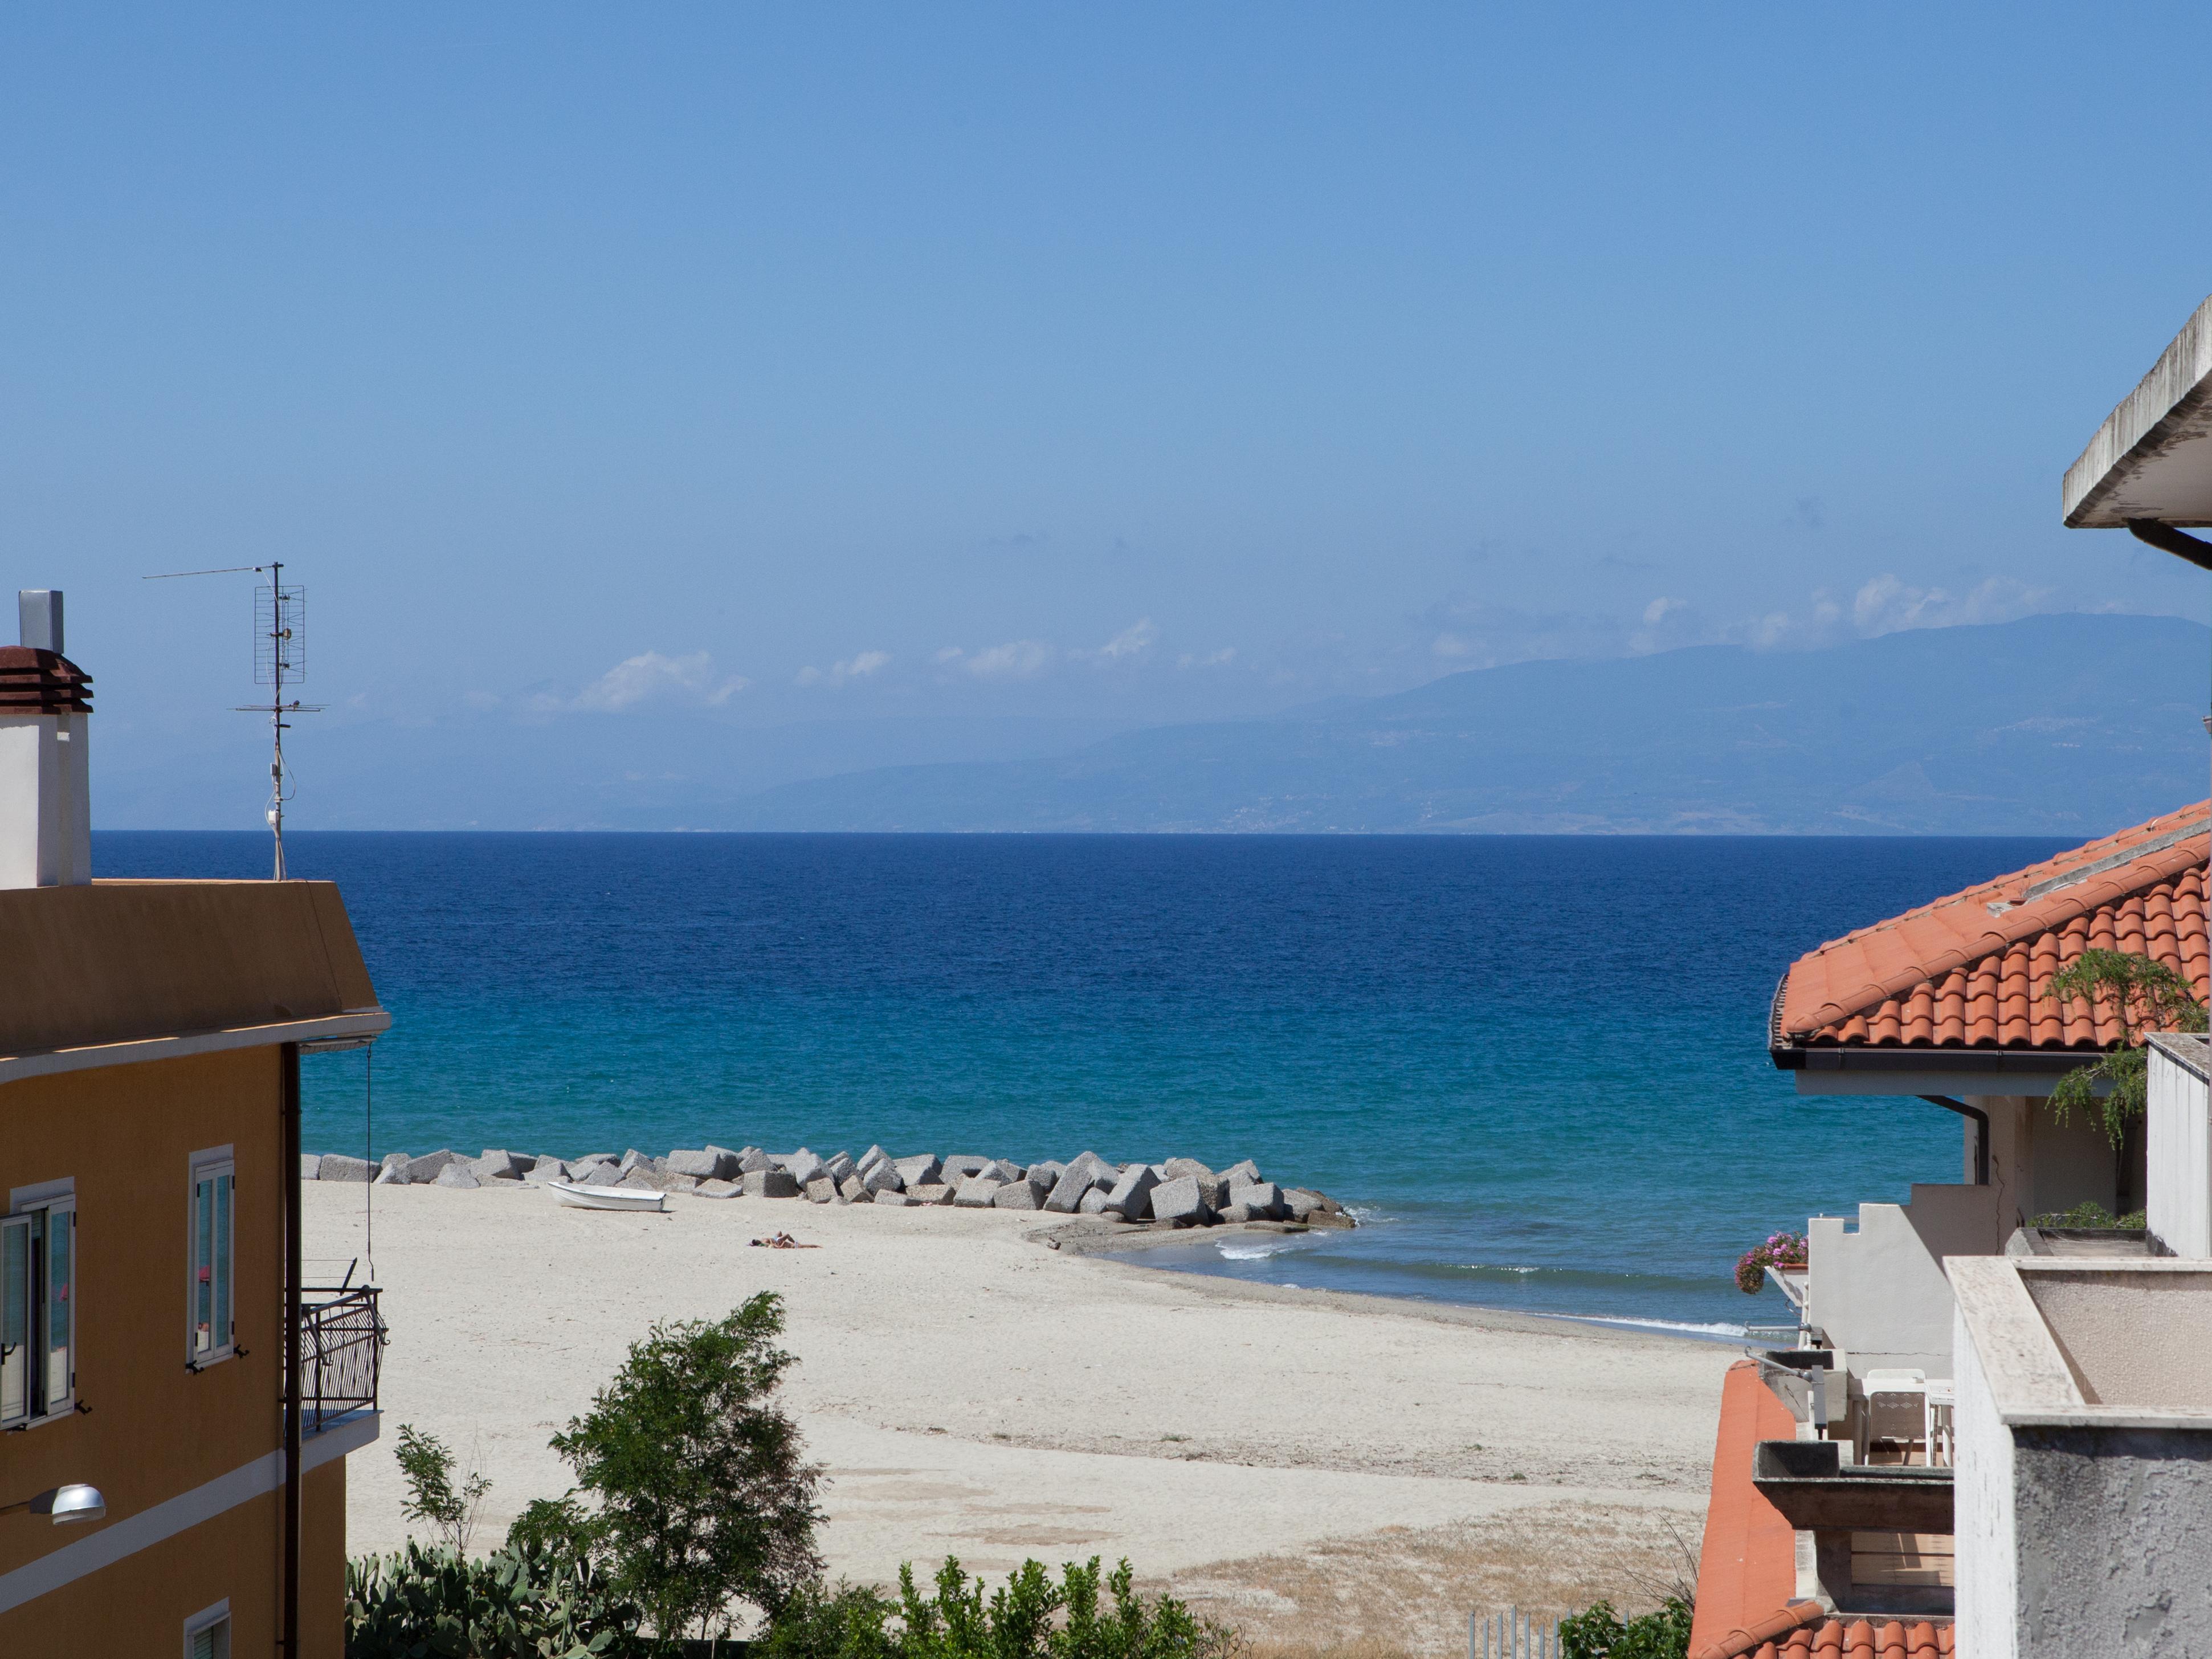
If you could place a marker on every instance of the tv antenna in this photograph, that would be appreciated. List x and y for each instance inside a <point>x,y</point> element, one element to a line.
<point>279,656</point>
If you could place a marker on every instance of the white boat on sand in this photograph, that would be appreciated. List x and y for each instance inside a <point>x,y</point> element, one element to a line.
<point>608,1198</point>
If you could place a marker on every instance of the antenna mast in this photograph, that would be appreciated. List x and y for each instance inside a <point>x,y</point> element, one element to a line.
<point>280,654</point>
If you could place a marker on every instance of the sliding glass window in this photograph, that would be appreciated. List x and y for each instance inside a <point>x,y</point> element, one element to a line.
<point>210,1290</point>
<point>38,1312</point>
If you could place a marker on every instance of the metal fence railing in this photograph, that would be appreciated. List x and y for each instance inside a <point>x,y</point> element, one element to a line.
<point>1512,1634</point>
<point>341,1353</point>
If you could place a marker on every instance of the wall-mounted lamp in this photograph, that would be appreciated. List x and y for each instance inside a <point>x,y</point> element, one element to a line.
<point>65,1503</point>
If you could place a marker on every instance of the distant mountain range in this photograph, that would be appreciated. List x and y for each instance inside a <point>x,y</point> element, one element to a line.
<point>2058,724</point>
<point>2067,725</point>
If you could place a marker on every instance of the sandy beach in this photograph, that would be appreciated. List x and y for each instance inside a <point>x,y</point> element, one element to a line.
<point>1312,1466</point>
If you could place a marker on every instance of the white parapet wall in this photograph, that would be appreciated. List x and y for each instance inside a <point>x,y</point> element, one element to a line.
<point>2084,1463</point>
<point>2177,1146</point>
<point>1878,1290</point>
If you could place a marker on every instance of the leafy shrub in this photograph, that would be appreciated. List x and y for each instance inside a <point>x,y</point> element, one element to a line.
<point>1780,1250</point>
<point>1029,1618</point>
<point>1600,1633</point>
<point>816,1621</point>
<point>514,1605</point>
<point>2091,1215</point>
<point>703,1498</point>
<point>432,1497</point>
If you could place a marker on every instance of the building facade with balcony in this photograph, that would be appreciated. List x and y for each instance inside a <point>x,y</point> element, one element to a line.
<point>1835,1472</point>
<point>151,1306</point>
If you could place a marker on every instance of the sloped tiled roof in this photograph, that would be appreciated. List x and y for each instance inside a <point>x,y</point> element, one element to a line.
<point>1969,971</point>
<point>1802,1629</point>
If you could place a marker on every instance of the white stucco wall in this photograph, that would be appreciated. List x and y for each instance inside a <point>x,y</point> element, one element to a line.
<point>2084,1514</point>
<point>1981,1509</point>
<point>45,801</point>
<point>1879,1291</point>
<point>2133,1340</point>
<point>2113,1532</point>
<point>2179,1157</point>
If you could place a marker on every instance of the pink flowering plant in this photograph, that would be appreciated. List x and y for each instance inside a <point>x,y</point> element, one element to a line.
<point>1782,1250</point>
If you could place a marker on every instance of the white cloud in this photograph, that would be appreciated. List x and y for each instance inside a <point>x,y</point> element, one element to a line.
<point>1656,611</point>
<point>858,666</point>
<point>1887,605</point>
<point>1131,641</point>
<point>1219,658</point>
<point>651,676</point>
<point>1016,659</point>
<point>950,653</point>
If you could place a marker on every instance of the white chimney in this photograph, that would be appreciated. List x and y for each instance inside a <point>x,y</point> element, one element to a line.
<point>45,796</point>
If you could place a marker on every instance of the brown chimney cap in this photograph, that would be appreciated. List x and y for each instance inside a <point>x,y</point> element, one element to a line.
<point>32,681</point>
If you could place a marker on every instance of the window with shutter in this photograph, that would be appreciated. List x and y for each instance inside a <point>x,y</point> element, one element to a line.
<point>207,1638</point>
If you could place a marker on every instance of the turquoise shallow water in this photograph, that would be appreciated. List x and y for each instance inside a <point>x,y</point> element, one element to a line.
<point>1536,1066</point>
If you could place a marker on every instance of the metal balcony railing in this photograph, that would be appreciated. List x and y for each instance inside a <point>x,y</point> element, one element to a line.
<point>341,1353</point>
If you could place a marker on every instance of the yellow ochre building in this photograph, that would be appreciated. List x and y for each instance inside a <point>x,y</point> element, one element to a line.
<point>162,1490</point>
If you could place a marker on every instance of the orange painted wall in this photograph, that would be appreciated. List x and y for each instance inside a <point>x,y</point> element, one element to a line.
<point>126,1134</point>
<point>139,1605</point>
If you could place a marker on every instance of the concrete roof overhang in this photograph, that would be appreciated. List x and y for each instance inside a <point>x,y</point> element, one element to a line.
<point>2152,458</point>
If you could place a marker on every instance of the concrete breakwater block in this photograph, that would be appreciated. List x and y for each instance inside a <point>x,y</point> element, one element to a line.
<point>1177,1202</point>
<point>704,1164</point>
<point>931,1192</point>
<point>770,1183</point>
<point>1132,1196</point>
<point>977,1191</point>
<point>336,1166</point>
<point>921,1172</point>
<point>1262,1198</point>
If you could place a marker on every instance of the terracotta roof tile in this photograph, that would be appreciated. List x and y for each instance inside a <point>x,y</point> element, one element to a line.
<point>1968,971</point>
<point>1802,1629</point>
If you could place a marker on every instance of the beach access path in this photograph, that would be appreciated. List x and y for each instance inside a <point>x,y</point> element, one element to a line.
<point>973,1392</point>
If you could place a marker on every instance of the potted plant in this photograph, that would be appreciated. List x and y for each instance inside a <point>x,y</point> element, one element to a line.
<point>1782,1250</point>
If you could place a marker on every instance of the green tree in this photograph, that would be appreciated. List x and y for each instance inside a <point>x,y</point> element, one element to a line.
<point>703,1498</point>
<point>2144,996</point>
<point>427,1467</point>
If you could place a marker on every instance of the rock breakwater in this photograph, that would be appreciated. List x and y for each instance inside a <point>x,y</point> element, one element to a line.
<point>1181,1192</point>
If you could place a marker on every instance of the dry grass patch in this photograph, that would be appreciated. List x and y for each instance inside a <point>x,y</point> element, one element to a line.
<point>1403,1592</point>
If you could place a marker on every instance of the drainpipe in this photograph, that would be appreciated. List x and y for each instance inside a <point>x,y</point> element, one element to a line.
<point>1981,1132</point>
<point>290,1137</point>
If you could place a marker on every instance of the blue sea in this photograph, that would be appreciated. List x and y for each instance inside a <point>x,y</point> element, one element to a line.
<point>1536,1067</point>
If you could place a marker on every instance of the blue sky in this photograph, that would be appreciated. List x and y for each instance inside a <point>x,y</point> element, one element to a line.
<point>1109,364</point>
